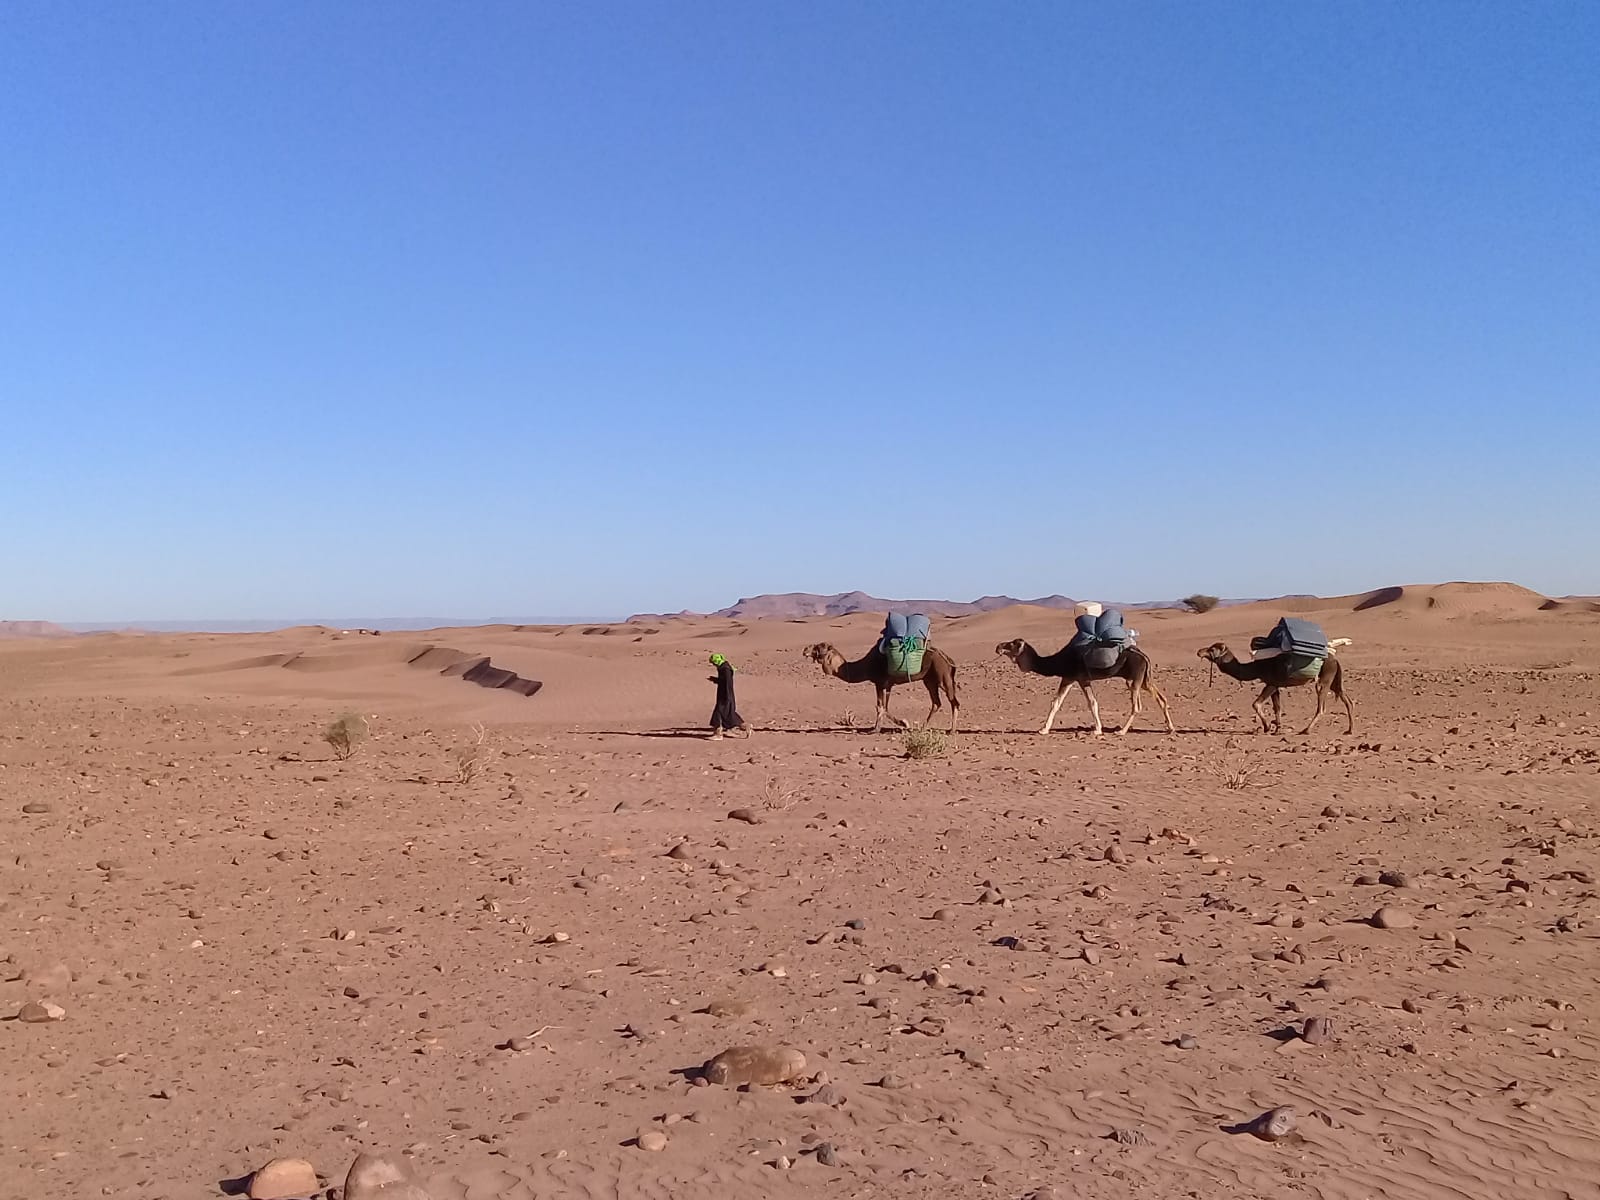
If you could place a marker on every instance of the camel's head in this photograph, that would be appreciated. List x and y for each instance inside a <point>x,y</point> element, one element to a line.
<point>1216,652</point>
<point>820,653</point>
<point>1012,649</point>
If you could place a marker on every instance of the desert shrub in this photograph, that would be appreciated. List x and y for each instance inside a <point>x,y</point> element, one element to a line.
<point>924,743</point>
<point>1200,604</point>
<point>345,735</point>
<point>473,757</point>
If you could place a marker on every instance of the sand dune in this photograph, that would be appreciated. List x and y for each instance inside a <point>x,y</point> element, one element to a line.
<point>1456,599</point>
<point>1572,605</point>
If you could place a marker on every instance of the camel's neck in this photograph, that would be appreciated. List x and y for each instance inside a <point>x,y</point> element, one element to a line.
<point>1029,660</point>
<point>1234,669</point>
<point>859,671</point>
<point>1057,665</point>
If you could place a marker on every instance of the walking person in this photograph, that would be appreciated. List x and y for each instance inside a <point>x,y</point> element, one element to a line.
<point>725,716</point>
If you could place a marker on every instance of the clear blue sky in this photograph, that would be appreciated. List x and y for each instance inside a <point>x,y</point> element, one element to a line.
<point>520,308</point>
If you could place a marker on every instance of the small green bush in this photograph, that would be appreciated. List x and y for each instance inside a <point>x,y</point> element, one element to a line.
<point>1200,604</point>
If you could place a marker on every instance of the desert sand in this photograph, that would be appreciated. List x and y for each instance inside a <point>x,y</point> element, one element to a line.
<point>1056,966</point>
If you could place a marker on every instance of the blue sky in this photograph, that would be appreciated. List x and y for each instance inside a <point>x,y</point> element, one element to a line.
<point>584,309</point>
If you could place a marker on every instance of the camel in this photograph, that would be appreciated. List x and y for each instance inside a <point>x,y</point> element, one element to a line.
<point>1273,674</point>
<point>938,674</point>
<point>1067,664</point>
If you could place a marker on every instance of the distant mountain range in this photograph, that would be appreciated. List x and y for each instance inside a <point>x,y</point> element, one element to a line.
<point>795,605</point>
<point>32,629</point>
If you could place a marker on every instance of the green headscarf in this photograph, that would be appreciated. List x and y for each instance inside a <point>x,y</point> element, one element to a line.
<point>717,660</point>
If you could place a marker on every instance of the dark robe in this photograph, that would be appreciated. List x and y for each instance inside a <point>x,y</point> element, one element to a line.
<point>725,715</point>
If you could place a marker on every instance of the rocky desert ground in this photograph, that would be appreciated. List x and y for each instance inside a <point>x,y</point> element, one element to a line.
<point>499,943</point>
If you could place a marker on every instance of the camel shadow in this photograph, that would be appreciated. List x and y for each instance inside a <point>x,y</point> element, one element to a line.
<point>846,731</point>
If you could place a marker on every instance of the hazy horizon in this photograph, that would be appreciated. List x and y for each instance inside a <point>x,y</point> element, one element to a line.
<point>413,623</point>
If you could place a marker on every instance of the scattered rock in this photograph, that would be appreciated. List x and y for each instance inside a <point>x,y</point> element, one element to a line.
<point>1389,917</point>
<point>1188,1041</point>
<point>1116,854</point>
<point>1318,1030</point>
<point>37,1012</point>
<point>763,1065</point>
<point>1395,879</point>
<point>680,852</point>
<point>653,1141</point>
<point>827,1155</point>
<point>827,1094</point>
<point>730,1009</point>
<point>1129,1137</point>
<point>891,1083</point>
<point>378,1177</point>
<point>284,1179</point>
<point>1274,1125</point>
<point>945,914</point>
<point>747,815</point>
<point>37,808</point>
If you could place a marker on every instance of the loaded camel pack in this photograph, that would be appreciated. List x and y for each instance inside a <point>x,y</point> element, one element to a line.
<point>1102,648</point>
<point>902,654</point>
<point>1297,652</point>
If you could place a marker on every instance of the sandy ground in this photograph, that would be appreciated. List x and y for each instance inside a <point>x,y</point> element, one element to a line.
<point>1031,964</point>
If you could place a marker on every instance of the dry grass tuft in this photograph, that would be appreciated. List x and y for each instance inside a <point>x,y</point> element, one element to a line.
<point>925,743</point>
<point>345,735</point>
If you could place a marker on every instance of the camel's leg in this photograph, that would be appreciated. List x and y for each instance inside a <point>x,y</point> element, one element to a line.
<point>1322,705</point>
<point>1162,701</point>
<point>883,708</point>
<point>1094,708</point>
<point>1277,711</point>
<point>932,685</point>
<point>1133,708</point>
<point>1259,704</point>
<point>1061,694</point>
<point>955,712</point>
<point>902,724</point>
<point>1337,684</point>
